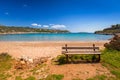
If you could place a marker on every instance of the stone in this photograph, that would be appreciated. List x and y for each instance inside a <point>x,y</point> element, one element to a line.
<point>23,62</point>
<point>30,60</point>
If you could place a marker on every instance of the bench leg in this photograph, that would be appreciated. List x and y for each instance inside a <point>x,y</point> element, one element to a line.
<point>67,58</point>
<point>98,57</point>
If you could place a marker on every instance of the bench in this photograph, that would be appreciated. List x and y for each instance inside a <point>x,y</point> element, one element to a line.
<point>67,51</point>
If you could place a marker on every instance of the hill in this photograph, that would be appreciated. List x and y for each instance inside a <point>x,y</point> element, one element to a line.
<point>15,29</point>
<point>111,30</point>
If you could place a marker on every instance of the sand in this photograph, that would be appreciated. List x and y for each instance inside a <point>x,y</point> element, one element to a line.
<point>71,71</point>
<point>41,48</point>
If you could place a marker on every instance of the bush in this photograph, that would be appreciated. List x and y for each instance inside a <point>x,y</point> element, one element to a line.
<point>61,59</point>
<point>4,57</point>
<point>114,43</point>
<point>5,62</point>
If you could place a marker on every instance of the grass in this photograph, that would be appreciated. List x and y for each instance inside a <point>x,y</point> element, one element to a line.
<point>37,68</point>
<point>98,77</point>
<point>18,78</point>
<point>61,59</point>
<point>111,60</point>
<point>5,64</point>
<point>30,78</point>
<point>55,77</point>
<point>4,76</point>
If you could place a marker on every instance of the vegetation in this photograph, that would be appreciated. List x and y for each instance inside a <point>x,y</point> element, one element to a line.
<point>55,77</point>
<point>13,29</point>
<point>111,60</point>
<point>114,43</point>
<point>30,78</point>
<point>4,76</point>
<point>18,78</point>
<point>61,59</point>
<point>112,30</point>
<point>98,77</point>
<point>5,64</point>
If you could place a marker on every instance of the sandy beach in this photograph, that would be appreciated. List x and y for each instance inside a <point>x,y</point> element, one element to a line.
<point>41,48</point>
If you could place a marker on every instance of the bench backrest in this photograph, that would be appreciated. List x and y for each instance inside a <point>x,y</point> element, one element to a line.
<point>66,48</point>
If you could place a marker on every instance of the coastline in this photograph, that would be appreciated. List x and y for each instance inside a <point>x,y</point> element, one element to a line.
<point>35,49</point>
<point>21,33</point>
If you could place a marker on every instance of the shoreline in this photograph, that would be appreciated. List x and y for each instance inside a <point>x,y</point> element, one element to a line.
<point>28,32</point>
<point>59,41</point>
<point>19,33</point>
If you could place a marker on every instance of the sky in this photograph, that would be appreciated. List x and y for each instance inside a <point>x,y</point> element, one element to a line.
<point>73,15</point>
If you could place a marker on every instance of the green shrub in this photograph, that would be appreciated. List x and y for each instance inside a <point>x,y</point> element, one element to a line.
<point>4,57</point>
<point>61,59</point>
<point>114,43</point>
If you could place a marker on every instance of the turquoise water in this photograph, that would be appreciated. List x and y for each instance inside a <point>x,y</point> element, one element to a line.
<point>55,37</point>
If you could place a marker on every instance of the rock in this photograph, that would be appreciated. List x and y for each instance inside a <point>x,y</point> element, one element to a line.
<point>42,69</point>
<point>38,71</point>
<point>40,60</point>
<point>43,59</point>
<point>30,60</point>
<point>43,76</point>
<point>22,62</point>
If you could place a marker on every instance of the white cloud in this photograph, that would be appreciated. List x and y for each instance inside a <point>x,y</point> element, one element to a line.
<point>58,26</point>
<point>36,25</point>
<point>52,26</point>
<point>45,26</point>
<point>39,25</point>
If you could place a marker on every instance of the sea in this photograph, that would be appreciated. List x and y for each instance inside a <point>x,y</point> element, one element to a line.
<point>55,37</point>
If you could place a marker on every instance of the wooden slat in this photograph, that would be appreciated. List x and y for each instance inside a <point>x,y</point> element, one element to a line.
<point>80,47</point>
<point>81,52</point>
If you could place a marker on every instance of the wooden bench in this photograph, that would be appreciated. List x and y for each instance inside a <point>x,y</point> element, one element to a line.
<point>80,50</point>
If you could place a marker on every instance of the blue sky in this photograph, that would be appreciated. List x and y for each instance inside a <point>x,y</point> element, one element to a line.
<point>74,15</point>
